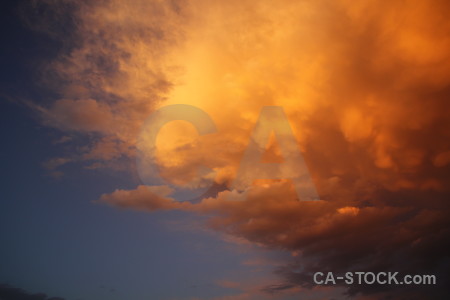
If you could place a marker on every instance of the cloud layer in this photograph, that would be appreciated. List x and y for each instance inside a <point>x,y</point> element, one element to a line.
<point>365,87</point>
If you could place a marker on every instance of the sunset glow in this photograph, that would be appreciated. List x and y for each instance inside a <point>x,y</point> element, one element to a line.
<point>350,101</point>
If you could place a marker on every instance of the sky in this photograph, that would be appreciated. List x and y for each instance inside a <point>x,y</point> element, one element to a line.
<point>342,100</point>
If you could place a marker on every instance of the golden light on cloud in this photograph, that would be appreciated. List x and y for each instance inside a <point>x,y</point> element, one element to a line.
<point>364,86</point>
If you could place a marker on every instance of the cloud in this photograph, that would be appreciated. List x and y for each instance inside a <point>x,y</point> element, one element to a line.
<point>364,85</point>
<point>326,237</point>
<point>144,197</point>
<point>227,284</point>
<point>80,115</point>
<point>112,69</point>
<point>8,292</point>
<point>382,86</point>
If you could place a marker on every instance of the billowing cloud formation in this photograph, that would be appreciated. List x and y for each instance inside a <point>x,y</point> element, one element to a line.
<point>366,83</point>
<point>365,87</point>
<point>324,236</point>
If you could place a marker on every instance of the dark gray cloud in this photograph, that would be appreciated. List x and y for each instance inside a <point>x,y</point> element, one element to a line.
<point>8,292</point>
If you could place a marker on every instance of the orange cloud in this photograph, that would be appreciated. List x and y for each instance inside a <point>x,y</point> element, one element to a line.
<point>365,86</point>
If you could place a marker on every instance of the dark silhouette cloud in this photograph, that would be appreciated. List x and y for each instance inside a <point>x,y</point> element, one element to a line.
<point>8,292</point>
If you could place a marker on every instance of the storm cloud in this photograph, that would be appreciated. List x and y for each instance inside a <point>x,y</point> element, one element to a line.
<point>364,85</point>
